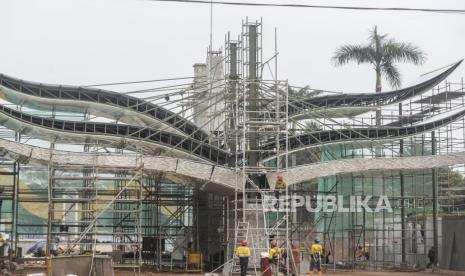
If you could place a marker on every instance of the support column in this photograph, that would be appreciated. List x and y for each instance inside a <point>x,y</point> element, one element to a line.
<point>199,105</point>
<point>402,195</point>
<point>435,201</point>
<point>232,78</point>
<point>252,103</point>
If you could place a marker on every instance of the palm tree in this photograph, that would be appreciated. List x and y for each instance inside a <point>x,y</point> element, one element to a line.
<point>382,52</point>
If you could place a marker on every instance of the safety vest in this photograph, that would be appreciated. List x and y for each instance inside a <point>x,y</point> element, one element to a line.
<point>243,251</point>
<point>317,248</point>
<point>274,252</point>
<point>281,184</point>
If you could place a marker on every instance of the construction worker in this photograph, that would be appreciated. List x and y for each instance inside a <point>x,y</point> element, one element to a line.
<point>243,252</point>
<point>364,253</point>
<point>295,261</point>
<point>265,264</point>
<point>279,187</point>
<point>431,256</point>
<point>325,259</point>
<point>326,255</point>
<point>316,251</point>
<point>274,255</point>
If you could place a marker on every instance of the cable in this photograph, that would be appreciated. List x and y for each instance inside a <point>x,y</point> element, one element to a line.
<point>135,82</point>
<point>170,88</point>
<point>458,11</point>
<point>435,70</point>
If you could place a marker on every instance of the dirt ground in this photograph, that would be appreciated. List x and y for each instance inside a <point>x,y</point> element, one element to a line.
<point>358,273</point>
<point>365,273</point>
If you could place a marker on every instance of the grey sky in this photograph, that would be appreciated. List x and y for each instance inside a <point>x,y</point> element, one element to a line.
<point>99,41</point>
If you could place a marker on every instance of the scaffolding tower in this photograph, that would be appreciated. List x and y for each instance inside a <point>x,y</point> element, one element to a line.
<point>94,211</point>
<point>255,115</point>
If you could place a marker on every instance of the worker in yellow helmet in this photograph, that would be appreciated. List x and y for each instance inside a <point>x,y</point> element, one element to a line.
<point>274,255</point>
<point>243,252</point>
<point>316,251</point>
<point>280,186</point>
<point>280,183</point>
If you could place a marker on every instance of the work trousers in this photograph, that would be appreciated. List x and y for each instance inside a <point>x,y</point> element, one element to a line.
<point>315,264</point>
<point>244,262</point>
<point>275,269</point>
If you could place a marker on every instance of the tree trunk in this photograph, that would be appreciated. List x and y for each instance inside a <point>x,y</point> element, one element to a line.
<point>378,90</point>
<point>378,149</point>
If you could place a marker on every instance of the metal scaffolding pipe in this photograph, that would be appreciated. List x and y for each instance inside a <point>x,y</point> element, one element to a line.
<point>232,80</point>
<point>402,194</point>
<point>252,104</point>
<point>435,200</point>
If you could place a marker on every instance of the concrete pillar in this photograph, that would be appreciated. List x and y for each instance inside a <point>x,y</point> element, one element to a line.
<point>207,103</point>
<point>215,73</point>
<point>200,79</point>
<point>210,217</point>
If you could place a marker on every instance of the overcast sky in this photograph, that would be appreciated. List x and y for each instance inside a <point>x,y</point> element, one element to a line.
<point>98,41</point>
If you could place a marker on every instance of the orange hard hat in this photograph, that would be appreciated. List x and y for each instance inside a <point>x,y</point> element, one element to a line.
<point>245,243</point>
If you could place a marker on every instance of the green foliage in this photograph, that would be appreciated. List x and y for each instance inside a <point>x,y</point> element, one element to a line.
<point>456,184</point>
<point>382,52</point>
<point>304,92</point>
<point>311,126</point>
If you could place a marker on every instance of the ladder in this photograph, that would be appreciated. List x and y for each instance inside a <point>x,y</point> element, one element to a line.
<point>242,233</point>
<point>357,235</point>
<point>127,236</point>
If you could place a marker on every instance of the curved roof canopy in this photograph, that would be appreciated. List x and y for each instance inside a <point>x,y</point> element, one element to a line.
<point>308,172</point>
<point>312,139</point>
<point>208,177</point>
<point>344,103</point>
<point>99,102</point>
<point>153,141</point>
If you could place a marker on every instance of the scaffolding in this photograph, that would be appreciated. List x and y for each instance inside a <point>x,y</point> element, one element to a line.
<point>259,127</point>
<point>257,113</point>
<point>420,197</point>
<point>94,211</point>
